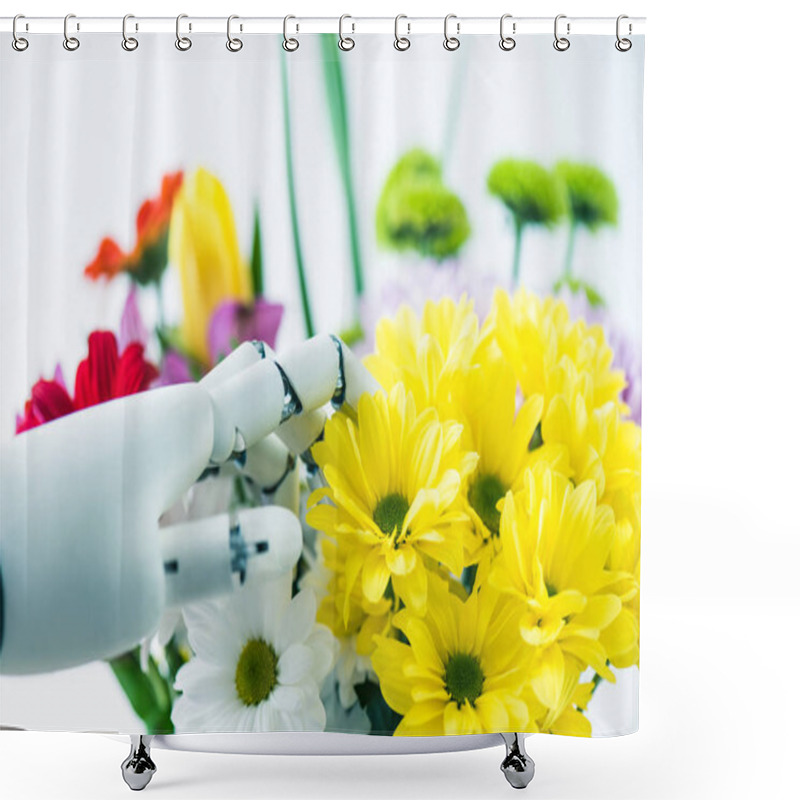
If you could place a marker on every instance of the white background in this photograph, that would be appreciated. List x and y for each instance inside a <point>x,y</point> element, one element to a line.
<point>720,605</point>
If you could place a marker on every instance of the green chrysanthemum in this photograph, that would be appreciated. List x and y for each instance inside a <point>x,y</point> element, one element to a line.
<point>591,194</point>
<point>416,211</point>
<point>532,193</point>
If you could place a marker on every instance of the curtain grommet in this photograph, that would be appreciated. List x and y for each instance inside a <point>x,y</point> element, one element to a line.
<point>623,44</point>
<point>234,44</point>
<point>183,43</point>
<point>507,43</point>
<point>19,43</point>
<point>401,43</point>
<point>290,43</point>
<point>346,43</point>
<point>71,43</point>
<point>451,43</point>
<point>129,43</point>
<point>561,43</point>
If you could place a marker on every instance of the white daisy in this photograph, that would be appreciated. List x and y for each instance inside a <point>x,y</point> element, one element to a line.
<point>260,660</point>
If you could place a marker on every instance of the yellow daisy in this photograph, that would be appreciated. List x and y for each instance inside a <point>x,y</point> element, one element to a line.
<point>607,450</point>
<point>426,354</point>
<point>506,439</point>
<point>535,336</point>
<point>602,447</point>
<point>463,669</point>
<point>567,718</point>
<point>393,499</point>
<point>556,542</point>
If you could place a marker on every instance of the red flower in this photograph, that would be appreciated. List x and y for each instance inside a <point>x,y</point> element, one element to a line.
<point>102,376</point>
<point>147,260</point>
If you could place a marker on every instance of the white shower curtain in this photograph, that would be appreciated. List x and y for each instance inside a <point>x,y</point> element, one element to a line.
<point>468,224</point>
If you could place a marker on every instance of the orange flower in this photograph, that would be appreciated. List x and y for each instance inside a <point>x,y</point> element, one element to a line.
<point>146,262</point>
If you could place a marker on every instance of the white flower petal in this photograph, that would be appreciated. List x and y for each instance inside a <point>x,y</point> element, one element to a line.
<point>297,620</point>
<point>295,664</point>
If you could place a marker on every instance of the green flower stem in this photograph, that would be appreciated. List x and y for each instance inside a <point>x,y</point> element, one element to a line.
<point>148,693</point>
<point>298,250</point>
<point>175,659</point>
<point>573,229</point>
<point>337,105</point>
<point>257,259</point>
<point>160,301</point>
<point>517,249</point>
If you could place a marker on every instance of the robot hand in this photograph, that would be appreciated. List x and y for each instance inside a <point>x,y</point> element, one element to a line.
<point>86,570</point>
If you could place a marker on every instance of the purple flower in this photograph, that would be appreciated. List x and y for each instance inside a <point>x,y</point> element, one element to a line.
<point>131,326</point>
<point>234,322</point>
<point>420,283</point>
<point>174,369</point>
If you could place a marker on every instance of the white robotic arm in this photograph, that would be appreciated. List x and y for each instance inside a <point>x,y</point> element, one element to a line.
<point>86,570</point>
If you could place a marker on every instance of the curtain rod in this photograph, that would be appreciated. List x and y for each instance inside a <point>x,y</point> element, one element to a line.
<point>352,24</point>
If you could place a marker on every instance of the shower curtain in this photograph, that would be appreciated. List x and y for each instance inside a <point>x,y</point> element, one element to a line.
<point>456,549</point>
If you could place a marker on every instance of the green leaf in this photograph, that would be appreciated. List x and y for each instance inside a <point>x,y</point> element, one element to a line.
<point>576,286</point>
<point>152,261</point>
<point>148,693</point>
<point>257,259</point>
<point>298,248</point>
<point>352,335</point>
<point>383,720</point>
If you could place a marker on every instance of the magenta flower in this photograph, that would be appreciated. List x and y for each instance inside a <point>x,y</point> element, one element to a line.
<point>234,322</point>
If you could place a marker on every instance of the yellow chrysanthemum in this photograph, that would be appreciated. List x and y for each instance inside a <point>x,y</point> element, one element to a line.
<point>365,619</point>
<point>556,542</point>
<point>428,354</point>
<point>536,336</point>
<point>601,446</point>
<point>506,439</point>
<point>203,244</point>
<point>605,449</point>
<point>463,669</point>
<point>567,718</point>
<point>394,485</point>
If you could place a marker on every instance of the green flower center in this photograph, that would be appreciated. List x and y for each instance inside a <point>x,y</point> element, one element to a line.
<point>463,678</point>
<point>483,496</point>
<point>390,513</point>
<point>536,440</point>
<point>256,672</point>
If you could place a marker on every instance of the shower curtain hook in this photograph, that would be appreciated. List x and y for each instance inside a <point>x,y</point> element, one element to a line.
<point>401,43</point>
<point>507,42</point>
<point>346,42</point>
<point>623,45</point>
<point>71,43</point>
<point>19,43</point>
<point>233,44</point>
<point>290,44</point>
<point>129,43</point>
<point>451,42</point>
<point>182,42</point>
<point>561,43</point>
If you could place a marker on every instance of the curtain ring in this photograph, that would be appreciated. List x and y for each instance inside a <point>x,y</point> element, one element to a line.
<point>129,43</point>
<point>290,44</point>
<point>561,43</point>
<point>623,45</point>
<point>71,43</point>
<point>346,42</point>
<point>233,44</point>
<point>401,43</point>
<point>182,42</point>
<point>451,42</point>
<point>19,43</point>
<point>507,42</point>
